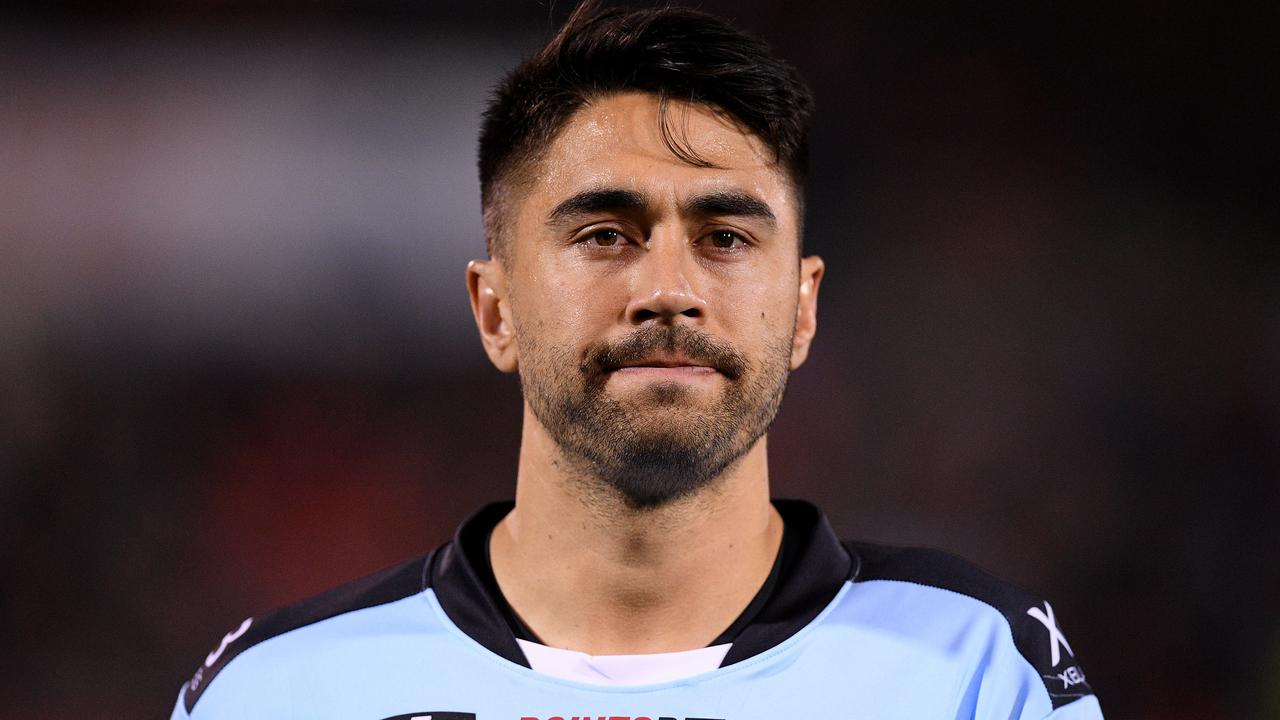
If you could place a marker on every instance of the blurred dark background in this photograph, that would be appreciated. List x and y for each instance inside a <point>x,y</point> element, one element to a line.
<point>237,364</point>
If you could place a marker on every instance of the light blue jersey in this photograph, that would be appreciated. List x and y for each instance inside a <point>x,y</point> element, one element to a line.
<point>840,631</point>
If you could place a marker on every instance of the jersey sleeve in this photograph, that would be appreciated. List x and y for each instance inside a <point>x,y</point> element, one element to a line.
<point>253,633</point>
<point>1029,669</point>
<point>1020,676</point>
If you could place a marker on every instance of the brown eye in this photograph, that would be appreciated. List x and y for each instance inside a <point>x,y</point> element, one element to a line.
<point>726,239</point>
<point>605,238</point>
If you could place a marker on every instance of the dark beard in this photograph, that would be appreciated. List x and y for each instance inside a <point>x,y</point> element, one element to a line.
<point>656,450</point>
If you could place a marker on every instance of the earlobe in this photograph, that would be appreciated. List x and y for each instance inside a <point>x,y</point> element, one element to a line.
<point>487,287</point>
<point>811,269</point>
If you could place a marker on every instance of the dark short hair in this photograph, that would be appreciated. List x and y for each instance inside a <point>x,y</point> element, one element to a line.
<point>674,53</point>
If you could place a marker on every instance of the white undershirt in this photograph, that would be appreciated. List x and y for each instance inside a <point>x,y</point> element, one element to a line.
<point>622,669</point>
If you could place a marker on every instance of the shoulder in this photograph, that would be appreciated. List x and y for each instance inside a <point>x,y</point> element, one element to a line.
<point>937,569</point>
<point>381,588</point>
<point>940,594</point>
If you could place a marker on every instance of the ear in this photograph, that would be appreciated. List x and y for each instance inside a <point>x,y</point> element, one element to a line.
<point>487,286</point>
<point>811,269</point>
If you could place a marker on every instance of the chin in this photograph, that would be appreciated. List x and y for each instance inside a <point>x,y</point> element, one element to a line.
<point>662,462</point>
<point>676,396</point>
<point>653,482</point>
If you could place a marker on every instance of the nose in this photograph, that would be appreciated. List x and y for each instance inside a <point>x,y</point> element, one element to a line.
<point>665,288</point>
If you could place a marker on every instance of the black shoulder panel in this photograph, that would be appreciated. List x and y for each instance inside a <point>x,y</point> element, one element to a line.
<point>1036,632</point>
<point>386,586</point>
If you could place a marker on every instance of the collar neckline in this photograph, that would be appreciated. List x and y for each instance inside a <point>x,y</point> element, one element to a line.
<point>811,567</point>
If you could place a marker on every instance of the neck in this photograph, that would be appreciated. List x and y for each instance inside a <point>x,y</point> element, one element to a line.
<point>586,572</point>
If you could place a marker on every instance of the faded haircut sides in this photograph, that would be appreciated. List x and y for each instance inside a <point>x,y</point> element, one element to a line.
<point>675,53</point>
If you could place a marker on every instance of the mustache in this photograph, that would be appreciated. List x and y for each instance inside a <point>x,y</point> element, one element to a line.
<point>606,356</point>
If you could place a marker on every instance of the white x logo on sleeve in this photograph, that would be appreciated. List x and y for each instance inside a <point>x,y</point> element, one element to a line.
<point>1055,635</point>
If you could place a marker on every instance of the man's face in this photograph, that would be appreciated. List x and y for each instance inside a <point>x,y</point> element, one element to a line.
<point>652,305</point>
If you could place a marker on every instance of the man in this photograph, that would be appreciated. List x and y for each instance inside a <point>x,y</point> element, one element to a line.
<point>642,191</point>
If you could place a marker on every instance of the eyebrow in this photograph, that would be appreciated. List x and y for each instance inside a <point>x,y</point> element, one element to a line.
<point>722,203</point>
<point>590,202</point>
<point>731,203</point>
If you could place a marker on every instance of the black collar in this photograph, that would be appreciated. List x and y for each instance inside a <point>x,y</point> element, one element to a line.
<point>810,569</point>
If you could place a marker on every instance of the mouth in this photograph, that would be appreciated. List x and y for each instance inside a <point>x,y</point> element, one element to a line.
<point>665,366</point>
<point>657,353</point>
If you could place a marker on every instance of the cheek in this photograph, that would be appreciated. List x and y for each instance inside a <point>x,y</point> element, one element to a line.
<point>561,309</point>
<point>763,308</point>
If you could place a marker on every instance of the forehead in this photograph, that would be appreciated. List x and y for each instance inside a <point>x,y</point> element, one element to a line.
<point>618,141</point>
